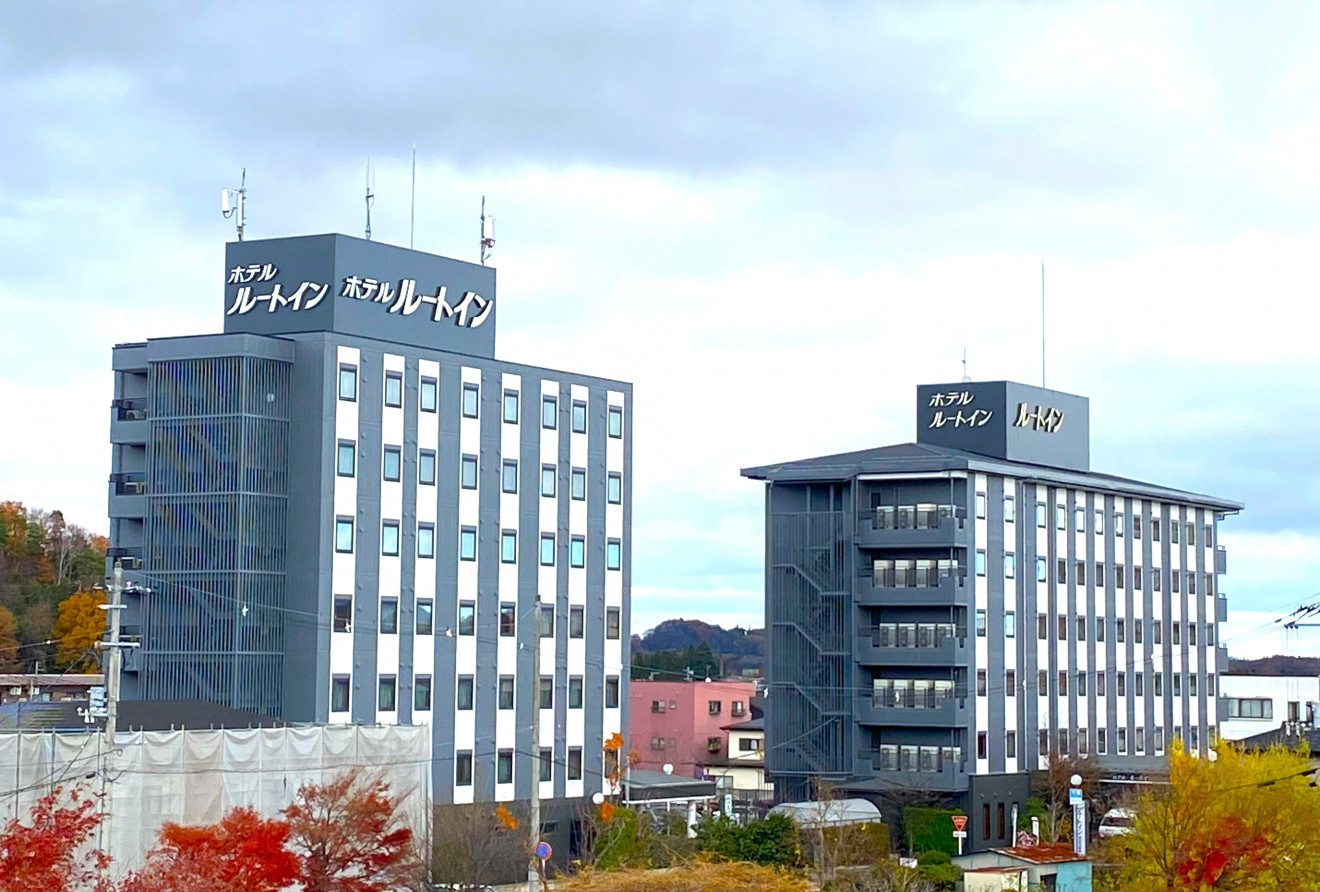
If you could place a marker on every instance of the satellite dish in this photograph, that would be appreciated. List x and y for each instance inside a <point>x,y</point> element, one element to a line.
<point>668,768</point>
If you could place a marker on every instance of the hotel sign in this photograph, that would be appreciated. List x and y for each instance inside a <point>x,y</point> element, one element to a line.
<point>1006,420</point>
<point>352,286</point>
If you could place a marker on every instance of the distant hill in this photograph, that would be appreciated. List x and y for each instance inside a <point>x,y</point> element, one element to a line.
<point>1276,665</point>
<point>678,643</point>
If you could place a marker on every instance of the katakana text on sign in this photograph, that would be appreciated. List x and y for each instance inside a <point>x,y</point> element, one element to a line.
<point>1047,419</point>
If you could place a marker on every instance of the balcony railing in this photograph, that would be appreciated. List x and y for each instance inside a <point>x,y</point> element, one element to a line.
<point>921,759</point>
<point>913,517</point>
<point>913,694</point>
<point>913,574</point>
<point>912,635</point>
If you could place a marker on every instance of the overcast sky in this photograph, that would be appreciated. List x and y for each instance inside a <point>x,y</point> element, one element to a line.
<point>776,219</point>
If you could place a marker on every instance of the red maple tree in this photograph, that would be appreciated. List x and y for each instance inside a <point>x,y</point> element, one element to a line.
<point>351,836</point>
<point>42,854</point>
<point>244,852</point>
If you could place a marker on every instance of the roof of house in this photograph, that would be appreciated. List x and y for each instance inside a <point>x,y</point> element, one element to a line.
<point>907,458</point>
<point>756,724</point>
<point>644,784</point>
<point>832,813</point>
<point>52,679</point>
<point>1044,853</point>
<point>133,715</point>
<point>1285,736</point>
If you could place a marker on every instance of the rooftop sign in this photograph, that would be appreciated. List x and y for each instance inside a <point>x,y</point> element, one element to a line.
<point>1004,419</point>
<point>349,285</point>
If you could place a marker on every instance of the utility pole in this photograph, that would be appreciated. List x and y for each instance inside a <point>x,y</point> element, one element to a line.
<point>534,822</point>
<point>113,666</point>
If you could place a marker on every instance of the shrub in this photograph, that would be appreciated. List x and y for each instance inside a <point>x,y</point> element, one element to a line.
<point>929,829</point>
<point>695,876</point>
<point>771,841</point>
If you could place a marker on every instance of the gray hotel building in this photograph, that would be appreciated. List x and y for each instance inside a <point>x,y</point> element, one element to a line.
<point>343,508</point>
<point>945,616</point>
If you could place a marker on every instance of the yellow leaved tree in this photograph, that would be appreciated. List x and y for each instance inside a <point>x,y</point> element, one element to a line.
<point>78,625</point>
<point>1238,820</point>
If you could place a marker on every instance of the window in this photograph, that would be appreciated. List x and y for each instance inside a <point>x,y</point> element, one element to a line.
<point>748,745</point>
<point>579,417</point>
<point>1009,510</point>
<point>1081,628</point>
<point>510,407</point>
<point>1175,581</point>
<point>1010,624</point>
<point>1060,517</point>
<point>980,624</point>
<point>508,620</point>
<point>1119,527</point>
<point>545,692</point>
<point>385,692</point>
<point>1099,628</point>
<point>547,549</point>
<point>577,483</point>
<point>344,535</point>
<point>346,459</point>
<point>343,621</point>
<point>427,395</point>
<point>545,763</point>
<point>1063,742</point>
<point>982,745</point>
<point>1010,744</point>
<point>1191,582</point>
<point>1174,531</point>
<point>1243,708</point>
<point>463,768</point>
<point>1209,634</point>
<point>1079,573</point>
<point>425,540</point>
<point>389,616</point>
<point>614,488</point>
<point>339,689</point>
<point>1100,741</point>
<point>574,771</point>
<point>1040,570</point>
<point>980,562</point>
<point>1040,515</point>
<point>1099,521</point>
<point>1044,742</point>
<point>1010,565</point>
<point>1191,634</point>
<point>1120,576</point>
<point>981,683</point>
<point>1081,684</point>
<point>1120,682</point>
<point>426,467</point>
<point>468,472</point>
<point>424,621</point>
<point>467,618</point>
<point>575,692</point>
<point>1191,685</point>
<point>463,697</point>
<point>1139,683</point>
<point>1157,632</point>
<point>713,707</point>
<point>508,546</point>
<point>1205,535</point>
<point>1042,627</point>
<point>1082,748</point>
<point>576,621</point>
<point>1122,737</point>
<point>467,544</point>
<point>616,422</point>
<point>1063,684</point>
<point>1099,574</point>
<point>547,625</point>
<point>389,538</point>
<point>1079,520</point>
<point>509,475</point>
<point>1061,571</point>
<point>1191,533</point>
<point>613,554</point>
<point>505,697</point>
<point>1099,684</point>
<point>577,552</point>
<point>612,622</point>
<point>1136,526</point>
<point>1159,732</point>
<point>1159,684</point>
<point>470,393</point>
<point>1154,537</point>
<point>1062,628</point>
<point>1120,629</point>
<point>1177,685</point>
<point>1137,625</point>
<point>394,389</point>
<point>1010,683</point>
<point>980,506</point>
<point>549,412</point>
<point>504,767</point>
<point>611,692</point>
<point>348,382</point>
<point>1136,577</point>
<point>1042,682</point>
<point>737,708</point>
<point>548,481</point>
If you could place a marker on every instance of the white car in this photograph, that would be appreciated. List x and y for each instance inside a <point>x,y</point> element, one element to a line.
<point>1117,822</point>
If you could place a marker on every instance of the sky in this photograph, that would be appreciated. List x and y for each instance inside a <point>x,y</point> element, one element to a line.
<point>774,218</point>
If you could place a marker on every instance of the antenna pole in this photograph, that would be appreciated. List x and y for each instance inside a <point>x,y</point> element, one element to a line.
<point>487,241</point>
<point>1042,324</point>
<point>370,199</point>
<point>242,204</point>
<point>412,202</point>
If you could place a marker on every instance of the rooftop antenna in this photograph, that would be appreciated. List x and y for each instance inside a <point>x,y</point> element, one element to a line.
<point>487,236</point>
<point>370,199</point>
<point>412,201</point>
<point>234,202</point>
<point>1042,323</point>
<point>965,378</point>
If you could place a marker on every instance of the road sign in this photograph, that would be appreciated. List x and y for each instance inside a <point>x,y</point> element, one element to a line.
<point>1074,796</point>
<point>960,834</point>
<point>959,822</point>
<point>543,850</point>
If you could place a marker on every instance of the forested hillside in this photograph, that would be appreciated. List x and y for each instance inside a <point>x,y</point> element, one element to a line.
<point>48,606</point>
<point>677,645</point>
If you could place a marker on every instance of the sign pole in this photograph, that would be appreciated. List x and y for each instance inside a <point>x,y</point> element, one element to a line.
<point>959,830</point>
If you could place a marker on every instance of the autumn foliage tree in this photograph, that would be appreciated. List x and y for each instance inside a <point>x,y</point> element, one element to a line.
<point>1243,821</point>
<point>351,836</point>
<point>80,623</point>
<point>244,852</point>
<point>46,852</point>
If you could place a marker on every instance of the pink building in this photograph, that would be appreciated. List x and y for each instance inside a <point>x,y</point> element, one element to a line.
<point>681,722</point>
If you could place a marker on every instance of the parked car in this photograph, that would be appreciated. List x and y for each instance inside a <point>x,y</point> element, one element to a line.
<point>1117,822</point>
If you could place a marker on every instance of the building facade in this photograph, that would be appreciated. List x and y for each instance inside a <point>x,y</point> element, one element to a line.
<point>949,614</point>
<point>345,509</point>
<point>681,723</point>
<point>1254,704</point>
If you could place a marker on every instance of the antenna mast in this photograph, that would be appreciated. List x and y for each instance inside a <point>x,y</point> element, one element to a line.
<point>412,201</point>
<point>1042,324</point>
<point>965,378</point>
<point>487,242</point>
<point>234,202</point>
<point>370,199</point>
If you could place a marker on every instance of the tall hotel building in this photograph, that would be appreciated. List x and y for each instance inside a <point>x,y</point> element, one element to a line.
<point>344,509</point>
<point>946,615</point>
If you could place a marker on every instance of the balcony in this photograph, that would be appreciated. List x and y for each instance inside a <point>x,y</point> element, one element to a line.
<point>1221,560</point>
<point>902,583</point>
<point>911,644</point>
<point>917,767</point>
<point>128,421</point>
<point>914,526</point>
<point>908,707</point>
<point>127,496</point>
<point>1221,608</point>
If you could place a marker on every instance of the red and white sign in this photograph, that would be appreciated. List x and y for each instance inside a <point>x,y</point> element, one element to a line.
<point>959,821</point>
